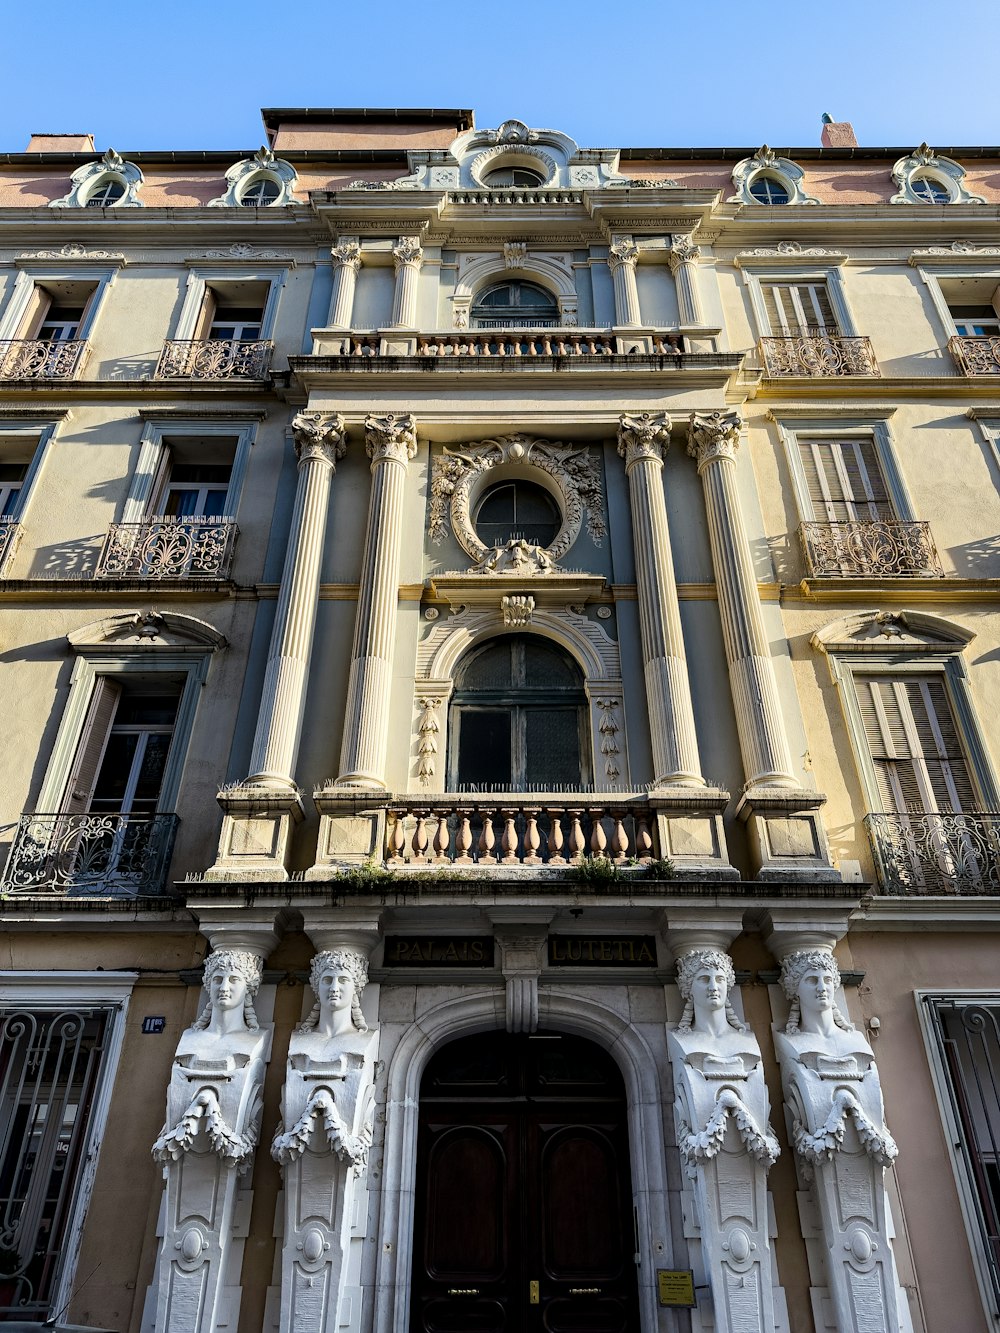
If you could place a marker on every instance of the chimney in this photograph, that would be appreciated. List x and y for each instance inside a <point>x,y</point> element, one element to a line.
<point>60,143</point>
<point>837,133</point>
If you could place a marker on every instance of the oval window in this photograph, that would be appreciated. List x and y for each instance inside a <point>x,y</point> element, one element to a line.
<point>930,191</point>
<point>769,190</point>
<point>517,510</point>
<point>260,193</point>
<point>503,178</point>
<point>107,191</point>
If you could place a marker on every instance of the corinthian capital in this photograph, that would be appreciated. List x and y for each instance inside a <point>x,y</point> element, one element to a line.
<point>645,435</point>
<point>682,250</point>
<point>713,435</point>
<point>622,250</point>
<point>346,254</point>
<point>319,436</point>
<point>393,436</point>
<point>407,252</point>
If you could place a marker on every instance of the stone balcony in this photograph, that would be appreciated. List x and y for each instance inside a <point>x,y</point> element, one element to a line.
<point>214,359</point>
<point>936,853</point>
<point>815,353</point>
<point>871,548</point>
<point>89,856</point>
<point>976,356</point>
<point>37,359</point>
<point>10,535</point>
<point>168,549</point>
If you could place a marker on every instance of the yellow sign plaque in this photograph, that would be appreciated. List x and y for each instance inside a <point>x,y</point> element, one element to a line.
<point>675,1286</point>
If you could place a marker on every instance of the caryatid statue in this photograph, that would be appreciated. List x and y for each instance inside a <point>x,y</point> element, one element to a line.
<point>328,1108</point>
<point>842,1143</point>
<point>722,1118</point>
<point>214,1105</point>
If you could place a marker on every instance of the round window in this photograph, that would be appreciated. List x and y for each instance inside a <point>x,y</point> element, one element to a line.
<point>260,193</point>
<point>504,178</point>
<point>517,510</point>
<point>769,190</point>
<point>929,190</point>
<point>108,190</point>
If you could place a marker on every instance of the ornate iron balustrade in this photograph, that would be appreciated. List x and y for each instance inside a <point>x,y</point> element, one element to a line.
<point>10,535</point>
<point>885,548</point>
<point>976,356</point>
<point>512,345</point>
<point>36,359</point>
<point>89,856</point>
<point>482,323</point>
<point>168,548</point>
<point>515,195</point>
<point>936,853</point>
<point>817,352</point>
<point>214,359</point>
<point>508,830</point>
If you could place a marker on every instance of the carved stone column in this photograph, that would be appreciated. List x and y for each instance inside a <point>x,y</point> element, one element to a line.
<point>622,256</point>
<point>408,258</point>
<point>207,1144</point>
<point>642,441</point>
<point>391,441</point>
<point>786,833</point>
<point>346,256</point>
<point>683,258</point>
<point>842,1146</point>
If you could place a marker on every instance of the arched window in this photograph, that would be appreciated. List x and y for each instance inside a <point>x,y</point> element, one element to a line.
<point>518,719</point>
<point>505,178</point>
<point>515,305</point>
<point>768,190</point>
<point>517,509</point>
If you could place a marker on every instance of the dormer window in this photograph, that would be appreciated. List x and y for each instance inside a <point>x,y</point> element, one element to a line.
<point>505,178</point>
<point>769,179</point>
<point>261,181</point>
<point>768,190</point>
<point>260,193</point>
<point>515,305</point>
<point>930,190</point>
<point>109,190</point>
<point>927,177</point>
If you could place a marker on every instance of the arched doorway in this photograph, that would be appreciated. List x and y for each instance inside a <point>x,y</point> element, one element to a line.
<point>523,1206</point>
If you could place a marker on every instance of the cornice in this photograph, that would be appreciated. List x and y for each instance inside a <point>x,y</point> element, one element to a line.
<point>916,915</point>
<point>860,387</point>
<point>797,411</point>
<point>866,591</point>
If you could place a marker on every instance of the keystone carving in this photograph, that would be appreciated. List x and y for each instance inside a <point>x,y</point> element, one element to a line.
<point>390,437</point>
<point>713,435</point>
<point>319,436</point>
<point>515,253</point>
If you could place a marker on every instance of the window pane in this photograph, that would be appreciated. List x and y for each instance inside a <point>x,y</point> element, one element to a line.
<point>517,509</point>
<point>484,748</point>
<point>552,747</point>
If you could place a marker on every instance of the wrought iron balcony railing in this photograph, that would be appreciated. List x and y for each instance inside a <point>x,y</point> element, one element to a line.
<point>936,853</point>
<point>515,323</point>
<point>10,535</point>
<point>870,548</point>
<point>168,548</point>
<point>816,352</point>
<point>515,829</point>
<point>976,356</point>
<point>38,359</point>
<point>89,856</point>
<point>511,344</point>
<point>214,359</point>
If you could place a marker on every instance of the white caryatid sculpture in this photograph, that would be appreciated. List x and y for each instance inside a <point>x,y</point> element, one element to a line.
<point>842,1144</point>
<point>214,1104</point>
<point>722,1116</point>
<point>323,1143</point>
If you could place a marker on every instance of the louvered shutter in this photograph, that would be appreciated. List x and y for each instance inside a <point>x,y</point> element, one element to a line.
<point>92,744</point>
<point>206,315</point>
<point>844,480</point>
<point>795,308</point>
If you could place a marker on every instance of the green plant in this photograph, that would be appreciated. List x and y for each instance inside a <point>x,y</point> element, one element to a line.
<point>370,874</point>
<point>597,870</point>
<point>664,868</point>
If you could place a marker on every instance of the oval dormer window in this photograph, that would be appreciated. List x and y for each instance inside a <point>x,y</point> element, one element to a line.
<point>108,191</point>
<point>515,305</point>
<point>262,192</point>
<point>769,190</point>
<point>506,178</point>
<point>930,190</point>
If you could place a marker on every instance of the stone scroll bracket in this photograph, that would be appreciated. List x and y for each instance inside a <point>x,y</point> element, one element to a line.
<point>521,936</point>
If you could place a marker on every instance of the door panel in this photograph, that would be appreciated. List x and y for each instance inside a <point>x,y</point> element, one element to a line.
<point>466,1197</point>
<point>581,1208</point>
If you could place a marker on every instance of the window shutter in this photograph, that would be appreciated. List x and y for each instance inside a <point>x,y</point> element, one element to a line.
<point>38,308</point>
<point>794,308</point>
<point>157,491</point>
<point>844,480</point>
<point>92,744</point>
<point>203,328</point>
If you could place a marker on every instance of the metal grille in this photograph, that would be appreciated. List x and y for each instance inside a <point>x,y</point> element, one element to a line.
<point>818,352</point>
<point>936,853</point>
<point>880,548</point>
<point>976,356</point>
<point>50,1064</point>
<point>214,359</point>
<point>40,359</point>
<point>968,1038</point>
<point>167,548</point>
<point>90,855</point>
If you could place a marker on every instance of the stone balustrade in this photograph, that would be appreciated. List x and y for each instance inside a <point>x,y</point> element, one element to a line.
<point>214,359</point>
<point>38,359</point>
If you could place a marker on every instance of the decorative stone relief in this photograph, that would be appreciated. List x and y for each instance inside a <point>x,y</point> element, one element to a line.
<point>608,729</point>
<point>521,951</point>
<point>241,250</point>
<point>514,253</point>
<point>515,557</point>
<point>516,609</point>
<point>320,436</point>
<point>788,248</point>
<point>940,175</point>
<point>71,250</point>
<point>765,162</point>
<point>214,1105</point>
<point>263,166</point>
<point>622,250</point>
<point>842,1144</point>
<point>713,435</point>
<point>459,476</point>
<point>960,248</point>
<point>428,728</point>
<point>87,181</point>
<point>683,250</point>
<point>346,254</point>
<point>722,1116</point>
<point>511,131</point>
<point>324,1139</point>
<point>643,435</point>
<point>408,252</point>
<point>390,437</point>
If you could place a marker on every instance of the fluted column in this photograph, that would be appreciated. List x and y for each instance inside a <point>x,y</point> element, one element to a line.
<point>622,256</point>
<point>713,440</point>
<point>408,257</point>
<point>683,258</point>
<point>320,440</point>
<point>642,440</point>
<point>391,442</point>
<point>346,257</point>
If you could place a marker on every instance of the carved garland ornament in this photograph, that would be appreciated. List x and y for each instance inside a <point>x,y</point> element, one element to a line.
<point>573,469</point>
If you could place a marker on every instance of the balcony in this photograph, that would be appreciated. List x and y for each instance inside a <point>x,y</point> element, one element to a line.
<point>870,548</point>
<point>214,359</point>
<point>89,856</point>
<point>168,548</point>
<point>36,359</point>
<point>814,353</point>
<point>10,535</point>
<point>976,356</point>
<point>510,343</point>
<point>936,853</point>
<point>548,829</point>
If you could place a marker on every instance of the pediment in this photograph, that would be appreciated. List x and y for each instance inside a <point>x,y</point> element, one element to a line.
<point>148,631</point>
<point>879,631</point>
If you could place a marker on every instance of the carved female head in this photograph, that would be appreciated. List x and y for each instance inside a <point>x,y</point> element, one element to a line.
<point>810,978</point>
<point>706,979</point>
<point>232,978</point>
<point>338,978</point>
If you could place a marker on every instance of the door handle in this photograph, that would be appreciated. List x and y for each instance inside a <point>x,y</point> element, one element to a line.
<point>463,1291</point>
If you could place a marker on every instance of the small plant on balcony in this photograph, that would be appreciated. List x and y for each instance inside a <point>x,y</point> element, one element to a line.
<point>597,870</point>
<point>371,874</point>
<point>664,868</point>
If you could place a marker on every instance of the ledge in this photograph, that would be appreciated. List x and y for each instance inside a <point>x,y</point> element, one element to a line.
<point>917,915</point>
<point>872,587</point>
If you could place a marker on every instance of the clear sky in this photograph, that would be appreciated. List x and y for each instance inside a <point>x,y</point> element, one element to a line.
<point>144,74</point>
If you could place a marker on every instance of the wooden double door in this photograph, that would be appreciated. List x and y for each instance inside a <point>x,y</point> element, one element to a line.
<point>524,1218</point>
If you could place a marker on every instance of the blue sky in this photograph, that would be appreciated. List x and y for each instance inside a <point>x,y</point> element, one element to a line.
<point>194,75</point>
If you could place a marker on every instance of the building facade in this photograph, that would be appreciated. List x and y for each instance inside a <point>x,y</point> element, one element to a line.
<point>500,784</point>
